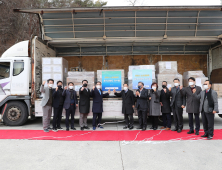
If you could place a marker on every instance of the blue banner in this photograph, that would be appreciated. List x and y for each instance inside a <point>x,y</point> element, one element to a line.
<point>144,75</point>
<point>111,80</point>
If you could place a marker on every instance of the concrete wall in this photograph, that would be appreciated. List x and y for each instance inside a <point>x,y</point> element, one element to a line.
<point>94,63</point>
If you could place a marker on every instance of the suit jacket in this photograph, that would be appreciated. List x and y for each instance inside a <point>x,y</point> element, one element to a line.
<point>67,102</point>
<point>84,100</point>
<point>98,100</point>
<point>128,101</point>
<point>154,103</point>
<point>165,100</point>
<point>56,98</point>
<point>205,104</point>
<point>142,103</point>
<point>45,94</point>
<point>178,97</point>
<point>193,103</point>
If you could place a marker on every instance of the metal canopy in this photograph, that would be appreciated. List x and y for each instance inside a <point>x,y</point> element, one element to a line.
<point>130,30</point>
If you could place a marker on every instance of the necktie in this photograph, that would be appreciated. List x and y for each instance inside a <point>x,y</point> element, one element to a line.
<point>99,92</point>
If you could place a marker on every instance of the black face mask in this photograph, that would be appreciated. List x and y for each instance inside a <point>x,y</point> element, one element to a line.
<point>85,85</point>
<point>59,86</point>
<point>164,86</point>
<point>139,87</point>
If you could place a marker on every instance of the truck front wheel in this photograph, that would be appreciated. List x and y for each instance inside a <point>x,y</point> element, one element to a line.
<point>15,114</point>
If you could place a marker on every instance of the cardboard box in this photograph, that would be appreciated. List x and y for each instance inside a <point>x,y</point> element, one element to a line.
<point>55,68</point>
<point>166,67</point>
<point>169,79</point>
<point>195,74</point>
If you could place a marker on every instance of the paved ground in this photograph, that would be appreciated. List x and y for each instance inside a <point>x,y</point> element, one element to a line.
<point>62,155</point>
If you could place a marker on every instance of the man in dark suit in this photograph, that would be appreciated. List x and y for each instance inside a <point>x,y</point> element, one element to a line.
<point>70,104</point>
<point>97,108</point>
<point>193,105</point>
<point>142,105</point>
<point>165,106</point>
<point>58,101</point>
<point>84,104</point>
<point>178,102</point>
<point>208,108</point>
<point>127,105</point>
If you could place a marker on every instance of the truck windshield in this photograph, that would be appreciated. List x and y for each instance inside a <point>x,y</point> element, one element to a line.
<point>4,70</point>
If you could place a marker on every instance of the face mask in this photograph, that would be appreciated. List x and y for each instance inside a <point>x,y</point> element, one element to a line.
<point>205,86</point>
<point>154,88</point>
<point>125,88</point>
<point>98,86</point>
<point>50,85</point>
<point>139,87</point>
<point>191,83</point>
<point>85,85</point>
<point>70,87</point>
<point>176,84</point>
<point>59,86</point>
<point>164,86</point>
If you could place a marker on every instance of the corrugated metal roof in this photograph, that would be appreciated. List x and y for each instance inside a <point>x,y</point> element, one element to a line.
<point>131,30</point>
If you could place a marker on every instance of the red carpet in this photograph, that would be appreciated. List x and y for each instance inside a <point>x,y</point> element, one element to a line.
<point>105,135</point>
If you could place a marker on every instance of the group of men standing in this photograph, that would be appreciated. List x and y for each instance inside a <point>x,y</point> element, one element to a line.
<point>148,104</point>
<point>66,98</point>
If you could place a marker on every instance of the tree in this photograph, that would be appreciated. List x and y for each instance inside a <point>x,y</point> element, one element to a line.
<point>15,27</point>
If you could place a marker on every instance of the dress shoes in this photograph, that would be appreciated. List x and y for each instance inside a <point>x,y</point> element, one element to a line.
<point>174,129</point>
<point>204,136</point>
<point>86,127</point>
<point>82,128</point>
<point>163,127</point>
<point>94,128</point>
<point>167,129</point>
<point>73,128</point>
<point>143,129</point>
<point>131,127</point>
<point>209,137</point>
<point>179,130</point>
<point>67,129</point>
<point>191,131</point>
<point>125,127</point>
<point>197,133</point>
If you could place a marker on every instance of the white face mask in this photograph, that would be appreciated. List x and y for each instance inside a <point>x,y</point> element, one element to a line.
<point>205,87</point>
<point>191,83</point>
<point>50,85</point>
<point>125,88</point>
<point>154,88</point>
<point>70,87</point>
<point>98,86</point>
<point>176,84</point>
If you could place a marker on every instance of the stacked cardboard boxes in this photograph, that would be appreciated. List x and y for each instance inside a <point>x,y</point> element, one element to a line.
<point>218,88</point>
<point>78,77</point>
<point>55,68</point>
<point>167,71</point>
<point>198,75</point>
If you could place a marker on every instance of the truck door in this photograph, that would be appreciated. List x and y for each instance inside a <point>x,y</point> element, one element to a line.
<point>5,78</point>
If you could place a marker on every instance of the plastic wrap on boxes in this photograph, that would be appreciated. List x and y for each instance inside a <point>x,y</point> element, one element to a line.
<point>55,68</point>
<point>195,74</point>
<point>131,68</point>
<point>168,78</point>
<point>77,77</point>
<point>166,67</point>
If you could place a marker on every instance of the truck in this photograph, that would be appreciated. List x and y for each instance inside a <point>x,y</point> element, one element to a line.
<point>106,33</point>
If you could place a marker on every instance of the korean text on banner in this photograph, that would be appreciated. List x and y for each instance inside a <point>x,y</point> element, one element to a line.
<point>111,80</point>
<point>144,76</point>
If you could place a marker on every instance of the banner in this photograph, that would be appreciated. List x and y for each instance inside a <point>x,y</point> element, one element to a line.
<point>144,75</point>
<point>111,80</point>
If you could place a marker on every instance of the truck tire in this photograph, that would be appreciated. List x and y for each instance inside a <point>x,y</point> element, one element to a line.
<point>220,115</point>
<point>16,114</point>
